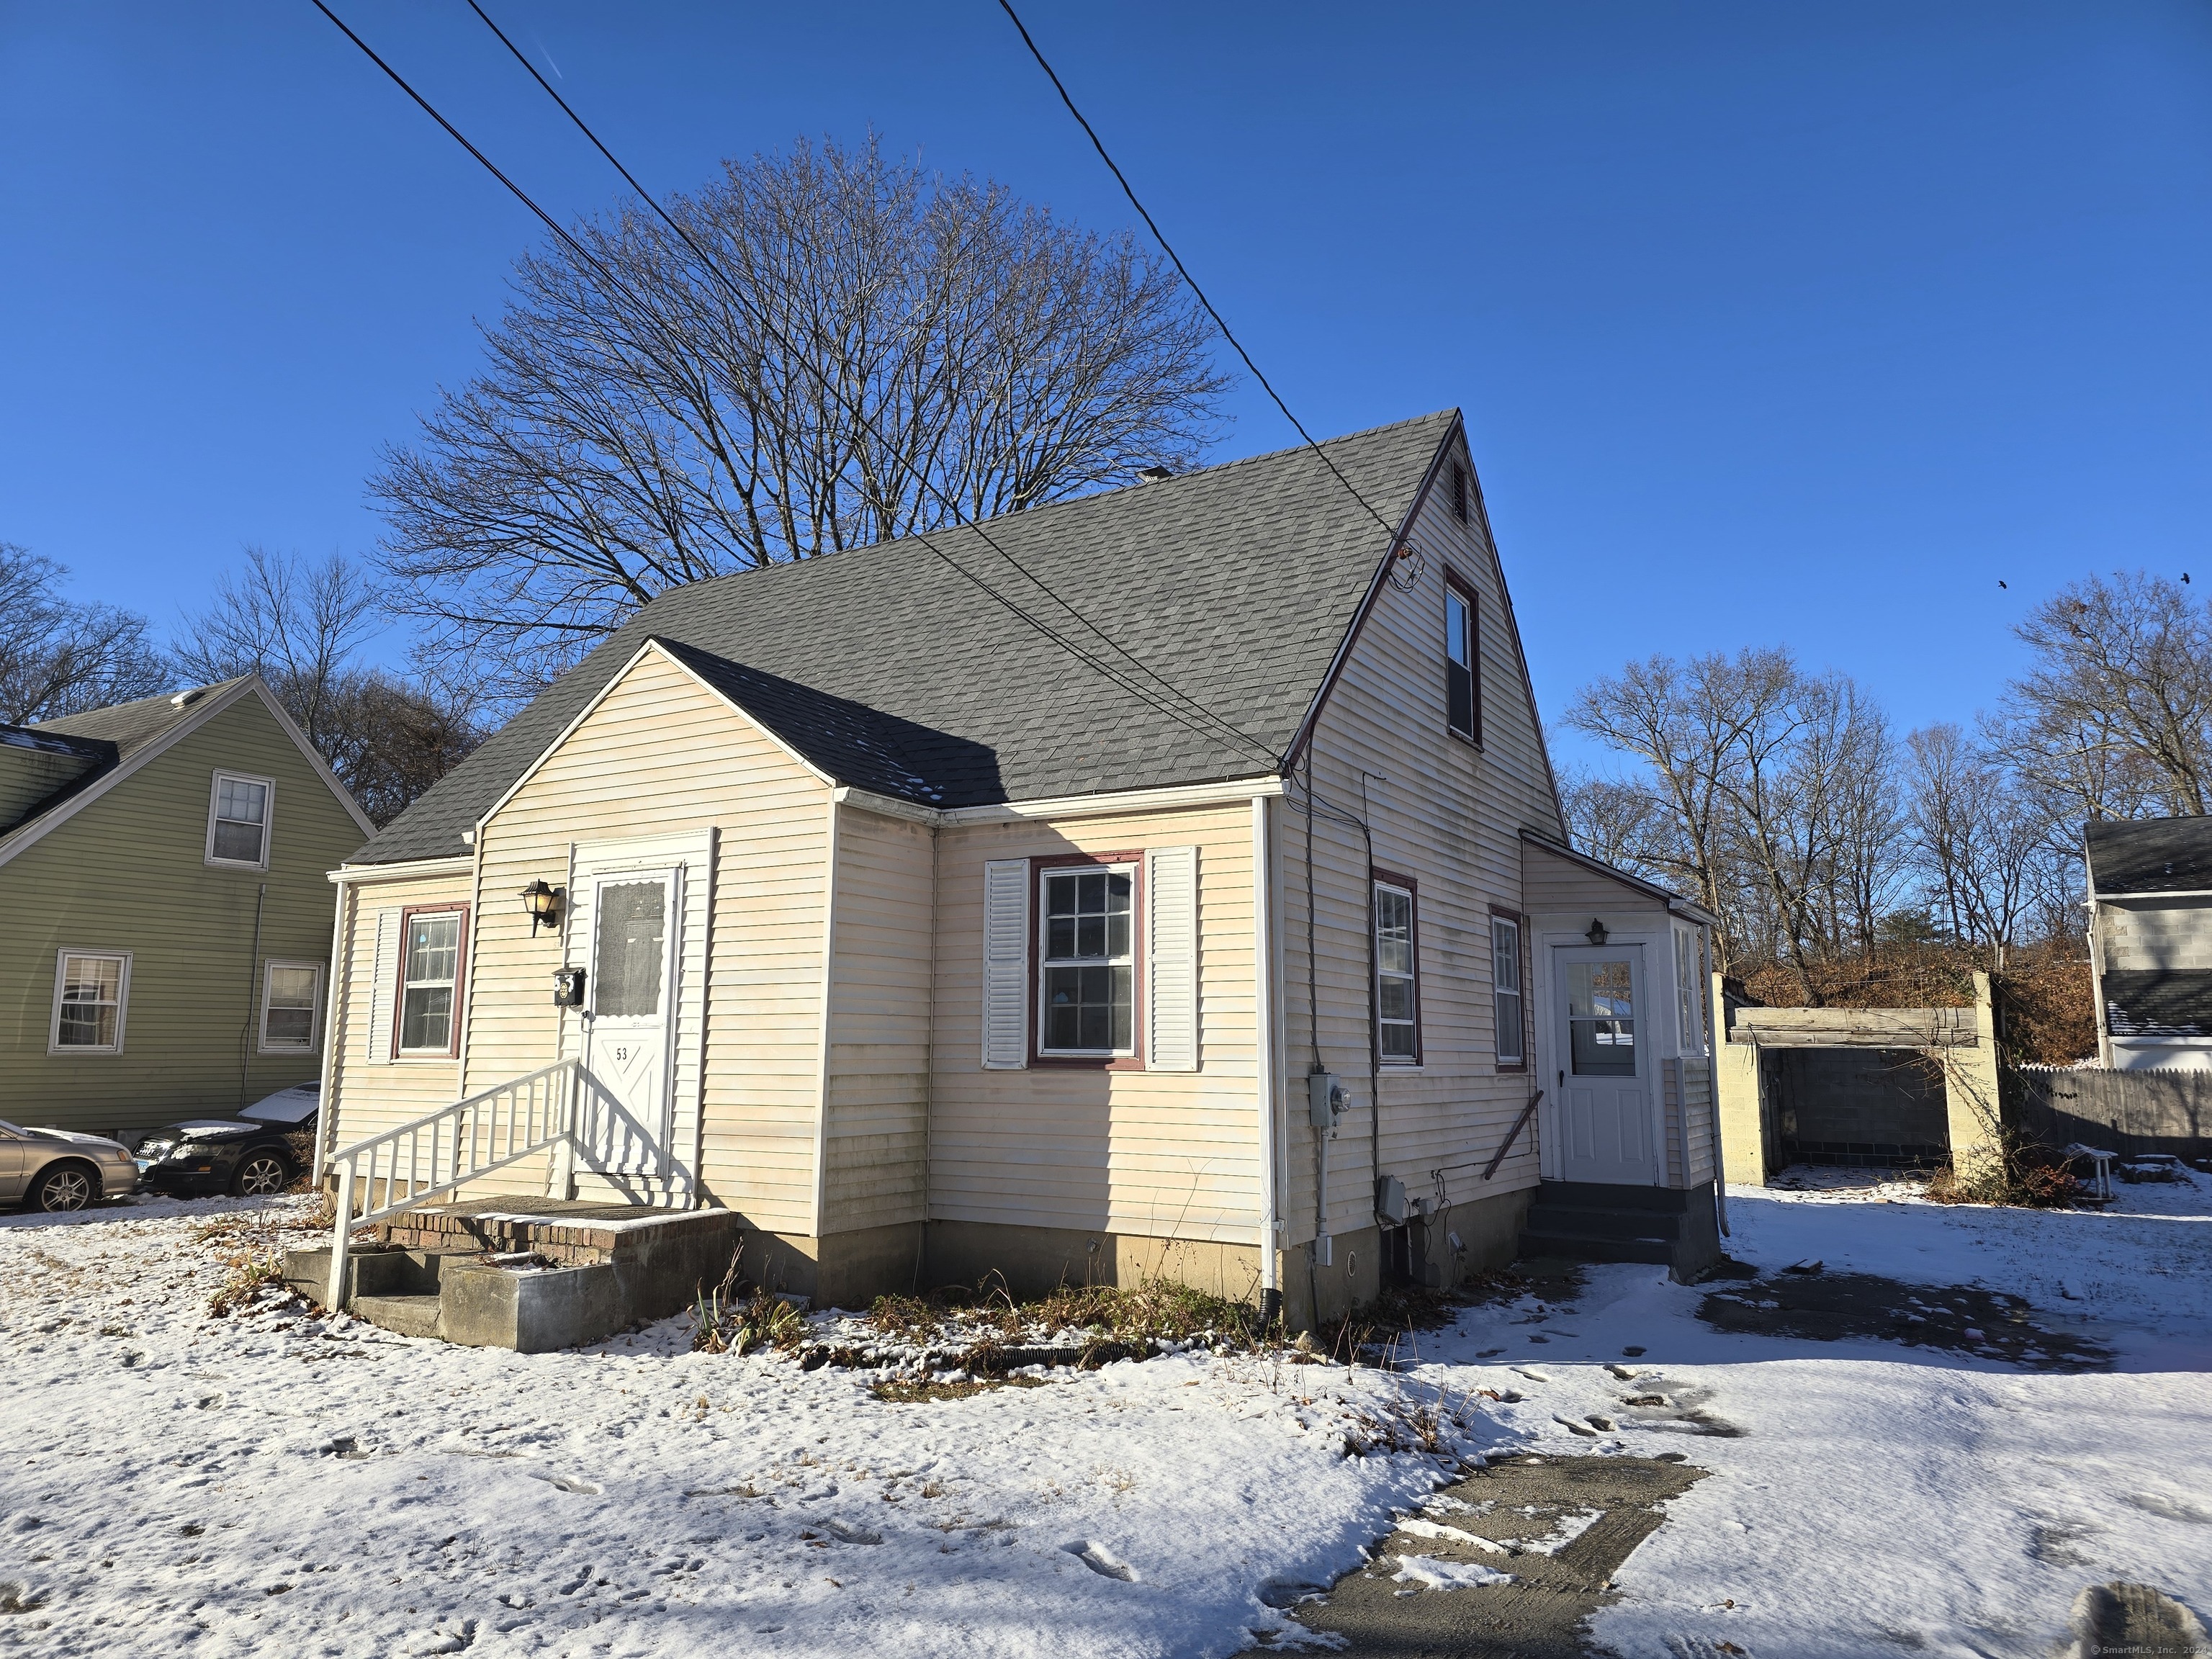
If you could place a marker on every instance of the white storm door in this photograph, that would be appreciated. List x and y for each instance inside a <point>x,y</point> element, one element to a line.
<point>1602,1065</point>
<point>630,1003</point>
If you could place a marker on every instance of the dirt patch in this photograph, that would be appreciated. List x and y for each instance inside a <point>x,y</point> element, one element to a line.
<point>1825,1307</point>
<point>1511,1560</point>
<point>917,1393</point>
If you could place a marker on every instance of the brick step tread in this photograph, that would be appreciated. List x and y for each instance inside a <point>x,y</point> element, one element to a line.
<point>1658,1251</point>
<point>402,1316</point>
<point>1603,1224</point>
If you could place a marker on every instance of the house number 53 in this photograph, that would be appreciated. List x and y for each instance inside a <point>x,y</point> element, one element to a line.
<point>622,1054</point>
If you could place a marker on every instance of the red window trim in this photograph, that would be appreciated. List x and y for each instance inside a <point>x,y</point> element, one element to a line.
<point>1378,876</point>
<point>1134,1060</point>
<point>1456,583</point>
<point>1528,1025</point>
<point>460,975</point>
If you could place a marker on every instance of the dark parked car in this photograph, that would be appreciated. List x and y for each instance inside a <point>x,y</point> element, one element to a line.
<point>56,1170</point>
<point>260,1150</point>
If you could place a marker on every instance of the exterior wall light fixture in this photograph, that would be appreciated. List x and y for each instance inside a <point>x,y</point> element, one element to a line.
<point>1596,934</point>
<point>543,904</point>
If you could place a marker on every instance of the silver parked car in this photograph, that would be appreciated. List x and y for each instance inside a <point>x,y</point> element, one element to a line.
<point>59,1169</point>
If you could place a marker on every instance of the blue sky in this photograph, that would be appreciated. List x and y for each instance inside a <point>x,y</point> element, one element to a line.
<point>1785,324</point>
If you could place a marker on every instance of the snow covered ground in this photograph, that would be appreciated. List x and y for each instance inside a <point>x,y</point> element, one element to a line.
<point>174,1483</point>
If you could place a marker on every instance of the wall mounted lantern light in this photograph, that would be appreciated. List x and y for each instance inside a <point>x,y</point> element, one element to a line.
<point>1596,934</point>
<point>543,904</point>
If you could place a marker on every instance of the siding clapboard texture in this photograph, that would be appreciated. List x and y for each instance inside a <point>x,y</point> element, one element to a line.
<point>128,871</point>
<point>660,755</point>
<point>1158,1153</point>
<point>1449,815</point>
<point>370,1092</point>
<point>880,1021</point>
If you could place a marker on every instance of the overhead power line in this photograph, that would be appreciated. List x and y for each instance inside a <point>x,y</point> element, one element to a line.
<point>1183,270</point>
<point>1219,725</point>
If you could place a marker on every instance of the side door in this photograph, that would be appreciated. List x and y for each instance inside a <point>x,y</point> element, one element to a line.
<point>1604,1068</point>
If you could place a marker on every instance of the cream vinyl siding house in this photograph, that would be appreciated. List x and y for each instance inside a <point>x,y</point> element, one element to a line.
<point>934,949</point>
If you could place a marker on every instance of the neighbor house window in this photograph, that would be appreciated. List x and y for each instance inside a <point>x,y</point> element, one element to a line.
<point>1087,968</point>
<point>291,992</point>
<point>1397,985</point>
<point>91,990</point>
<point>1505,992</point>
<point>429,982</point>
<point>238,821</point>
<point>1460,710</point>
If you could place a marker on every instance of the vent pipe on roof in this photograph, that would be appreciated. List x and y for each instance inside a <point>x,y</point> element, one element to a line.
<point>185,699</point>
<point>1155,474</point>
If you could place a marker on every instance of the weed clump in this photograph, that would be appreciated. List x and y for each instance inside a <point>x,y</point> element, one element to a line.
<point>2015,1172</point>
<point>248,1275</point>
<point>736,1316</point>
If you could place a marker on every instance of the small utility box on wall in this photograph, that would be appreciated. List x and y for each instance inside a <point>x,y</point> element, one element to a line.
<point>568,988</point>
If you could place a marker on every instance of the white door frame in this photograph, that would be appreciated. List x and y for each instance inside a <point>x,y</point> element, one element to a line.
<point>1658,977</point>
<point>689,862</point>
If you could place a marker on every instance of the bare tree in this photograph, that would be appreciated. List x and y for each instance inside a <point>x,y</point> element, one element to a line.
<point>302,626</point>
<point>1623,821</point>
<point>891,352</point>
<point>1991,861</point>
<point>2116,715</point>
<point>60,656</point>
<point>1768,795</point>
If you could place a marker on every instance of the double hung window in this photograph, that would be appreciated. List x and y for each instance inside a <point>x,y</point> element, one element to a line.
<point>1505,991</point>
<point>91,988</point>
<point>1460,709</point>
<point>1087,968</point>
<point>429,982</point>
<point>238,821</point>
<point>291,992</point>
<point>1397,978</point>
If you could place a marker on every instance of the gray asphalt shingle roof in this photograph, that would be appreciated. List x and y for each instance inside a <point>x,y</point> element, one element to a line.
<point>108,737</point>
<point>1235,585</point>
<point>2148,1002</point>
<point>2149,855</point>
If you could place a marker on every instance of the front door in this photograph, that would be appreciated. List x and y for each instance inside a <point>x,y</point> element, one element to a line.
<point>1603,1075</point>
<point>629,1000</point>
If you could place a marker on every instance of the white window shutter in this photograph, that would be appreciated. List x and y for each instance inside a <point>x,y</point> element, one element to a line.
<point>1171,958</point>
<point>1005,964</point>
<point>376,1040</point>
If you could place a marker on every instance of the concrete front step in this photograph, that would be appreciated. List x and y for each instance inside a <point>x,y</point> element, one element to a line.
<point>612,1266</point>
<point>1579,1247</point>
<point>1576,1221</point>
<point>402,1316</point>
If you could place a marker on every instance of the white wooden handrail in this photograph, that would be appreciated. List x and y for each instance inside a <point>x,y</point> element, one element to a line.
<point>442,1150</point>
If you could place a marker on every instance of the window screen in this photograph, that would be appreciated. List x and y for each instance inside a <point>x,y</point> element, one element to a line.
<point>427,977</point>
<point>1088,975</point>
<point>629,955</point>
<point>1396,989</point>
<point>241,820</point>
<point>1459,663</point>
<point>91,1002</point>
<point>1505,988</point>
<point>288,1006</point>
<point>1601,1019</point>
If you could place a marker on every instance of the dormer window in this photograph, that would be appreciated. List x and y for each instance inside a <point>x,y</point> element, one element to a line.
<point>238,821</point>
<point>1462,712</point>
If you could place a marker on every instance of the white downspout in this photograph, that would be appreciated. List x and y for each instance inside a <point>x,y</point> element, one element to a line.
<point>822,1053</point>
<point>1263,1049</point>
<point>341,968</point>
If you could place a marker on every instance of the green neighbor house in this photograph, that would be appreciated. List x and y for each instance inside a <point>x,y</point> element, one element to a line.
<point>163,878</point>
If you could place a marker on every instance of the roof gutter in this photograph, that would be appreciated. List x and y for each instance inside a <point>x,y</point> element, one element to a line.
<point>1105,805</point>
